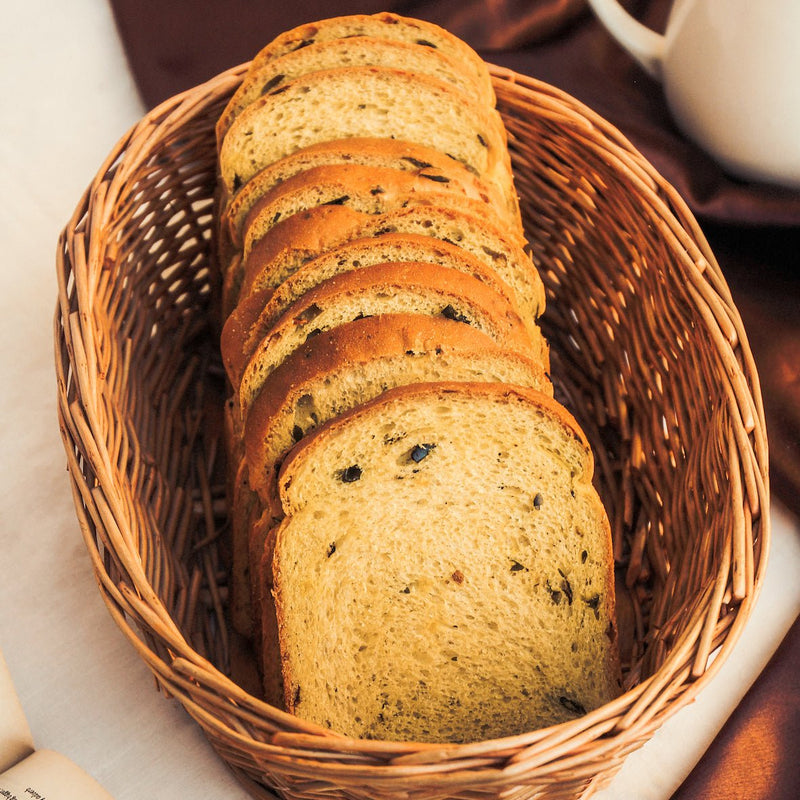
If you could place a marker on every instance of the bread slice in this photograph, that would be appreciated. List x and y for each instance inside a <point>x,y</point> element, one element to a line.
<point>364,102</point>
<point>383,289</point>
<point>264,634</point>
<point>250,321</point>
<point>444,572</point>
<point>371,190</point>
<point>244,510</point>
<point>385,26</point>
<point>352,51</point>
<point>305,235</point>
<point>416,159</point>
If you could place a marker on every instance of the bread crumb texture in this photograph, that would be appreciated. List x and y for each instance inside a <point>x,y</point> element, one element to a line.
<point>445,572</point>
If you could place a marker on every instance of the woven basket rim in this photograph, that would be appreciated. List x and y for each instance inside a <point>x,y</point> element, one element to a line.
<point>634,714</point>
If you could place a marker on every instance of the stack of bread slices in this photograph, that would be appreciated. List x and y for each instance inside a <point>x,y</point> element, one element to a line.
<point>418,552</point>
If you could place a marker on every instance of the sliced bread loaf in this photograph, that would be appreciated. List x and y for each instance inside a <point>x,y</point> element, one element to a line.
<point>407,156</point>
<point>387,373</point>
<point>364,102</point>
<point>444,572</point>
<point>383,289</point>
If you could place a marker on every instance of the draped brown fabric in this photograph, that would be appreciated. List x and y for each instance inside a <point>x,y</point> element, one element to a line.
<point>755,756</point>
<point>754,230</point>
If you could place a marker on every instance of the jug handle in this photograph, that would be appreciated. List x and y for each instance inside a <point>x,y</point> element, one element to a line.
<point>644,45</point>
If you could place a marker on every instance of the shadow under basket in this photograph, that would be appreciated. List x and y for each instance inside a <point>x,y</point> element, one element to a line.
<point>648,351</point>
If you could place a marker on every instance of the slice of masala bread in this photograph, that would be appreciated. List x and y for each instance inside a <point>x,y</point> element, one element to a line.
<point>444,571</point>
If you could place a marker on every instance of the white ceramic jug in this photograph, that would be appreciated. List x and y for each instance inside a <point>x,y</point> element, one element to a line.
<point>731,76</point>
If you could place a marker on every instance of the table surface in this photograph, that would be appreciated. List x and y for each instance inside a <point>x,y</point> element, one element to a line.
<point>67,97</point>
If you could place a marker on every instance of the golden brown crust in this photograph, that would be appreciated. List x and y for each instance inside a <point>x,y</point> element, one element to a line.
<point>455,289</point>
<point>265,615</point>
<point>307,234</point>
<point>231,287</point>
<point>244,507</point>
<point>375,24</point>
<point>302,237</point>
<point>236,331</point>
<point>273,613</point>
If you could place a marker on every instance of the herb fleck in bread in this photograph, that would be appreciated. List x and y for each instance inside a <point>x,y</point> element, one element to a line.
<point>396,623</point>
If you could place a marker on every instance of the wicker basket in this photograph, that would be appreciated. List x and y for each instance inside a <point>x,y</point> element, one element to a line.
<point>648,350</point>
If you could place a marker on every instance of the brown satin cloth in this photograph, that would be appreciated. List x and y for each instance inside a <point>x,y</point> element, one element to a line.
<point>755,756</point>
<point>754,231</point>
